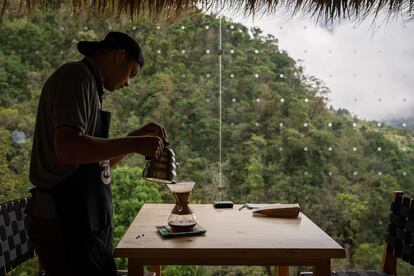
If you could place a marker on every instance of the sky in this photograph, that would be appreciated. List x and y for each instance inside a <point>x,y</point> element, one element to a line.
<point>369,67</point>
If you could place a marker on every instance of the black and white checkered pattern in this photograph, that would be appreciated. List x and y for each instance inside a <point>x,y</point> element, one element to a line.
<point>361,273</point>
<point>15,247</point>
<point>352,273</point>
<point>400,236</point>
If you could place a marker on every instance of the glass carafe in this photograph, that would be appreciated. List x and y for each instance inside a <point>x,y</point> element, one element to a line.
<point>182,218</point>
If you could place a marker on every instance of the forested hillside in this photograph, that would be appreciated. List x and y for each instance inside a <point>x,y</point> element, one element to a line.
<point>280,140</point>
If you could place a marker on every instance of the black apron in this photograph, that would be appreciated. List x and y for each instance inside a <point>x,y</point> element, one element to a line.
<point>84,207</point>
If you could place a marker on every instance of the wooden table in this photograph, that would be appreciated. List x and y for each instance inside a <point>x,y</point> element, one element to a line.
<point>233,238</point>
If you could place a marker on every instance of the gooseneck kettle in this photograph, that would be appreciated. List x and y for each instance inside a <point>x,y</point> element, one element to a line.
<point>162,169</point>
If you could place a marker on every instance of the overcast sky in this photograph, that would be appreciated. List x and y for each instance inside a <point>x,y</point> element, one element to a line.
<point>369,69</point>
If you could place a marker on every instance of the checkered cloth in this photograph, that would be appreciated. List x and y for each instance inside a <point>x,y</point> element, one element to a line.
<point>353,273</point>
<point>361,273</point>
<point>15,247</point>
<point>400,236</point>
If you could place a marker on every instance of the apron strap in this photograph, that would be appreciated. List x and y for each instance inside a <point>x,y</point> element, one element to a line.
<point>98,81</point>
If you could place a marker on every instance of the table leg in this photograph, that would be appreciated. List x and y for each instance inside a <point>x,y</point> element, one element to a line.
<point>156,269</point>
<point>322,268</point>
<point>282,270</point>
<point>135,268</point>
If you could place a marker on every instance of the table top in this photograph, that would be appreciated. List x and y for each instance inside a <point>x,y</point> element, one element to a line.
<point>232,237</point>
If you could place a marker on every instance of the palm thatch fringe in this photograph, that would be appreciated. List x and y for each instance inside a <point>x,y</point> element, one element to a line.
<point>321,9</point>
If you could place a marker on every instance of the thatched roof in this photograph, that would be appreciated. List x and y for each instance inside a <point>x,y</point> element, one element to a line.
<point>322,9</point>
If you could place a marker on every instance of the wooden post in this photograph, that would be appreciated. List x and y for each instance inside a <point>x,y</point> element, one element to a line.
<point>135,268</point>
<point>156,269</point>
<point>282,270</point>
<point>389,262</point>
<point>322,268</point>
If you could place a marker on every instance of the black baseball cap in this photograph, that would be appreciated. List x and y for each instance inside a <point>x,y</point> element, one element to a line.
<point>113,40</point>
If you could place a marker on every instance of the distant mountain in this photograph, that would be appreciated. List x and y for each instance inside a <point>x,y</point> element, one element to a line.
<point>401,122</point>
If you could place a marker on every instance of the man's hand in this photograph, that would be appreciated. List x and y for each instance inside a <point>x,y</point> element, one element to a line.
<point>151,146</point>
<point>151,129</point>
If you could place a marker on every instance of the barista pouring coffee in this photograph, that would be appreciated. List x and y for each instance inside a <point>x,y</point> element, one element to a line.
<point>70,214</point>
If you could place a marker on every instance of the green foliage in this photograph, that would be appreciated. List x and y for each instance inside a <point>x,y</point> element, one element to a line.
<point>181,270</point>
<point>12,176</point>
<point>368,256</point>
<point>28,268</point>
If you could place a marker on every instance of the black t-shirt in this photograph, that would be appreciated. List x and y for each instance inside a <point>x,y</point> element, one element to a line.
<point>69,98</point>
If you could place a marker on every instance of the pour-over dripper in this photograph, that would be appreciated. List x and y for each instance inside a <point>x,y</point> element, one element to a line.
<point>182,218</point>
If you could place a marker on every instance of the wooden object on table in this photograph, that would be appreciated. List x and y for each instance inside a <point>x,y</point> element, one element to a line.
<point>279,210</point>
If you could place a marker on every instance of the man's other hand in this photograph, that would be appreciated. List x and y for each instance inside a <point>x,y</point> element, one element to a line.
<point>151,129</point>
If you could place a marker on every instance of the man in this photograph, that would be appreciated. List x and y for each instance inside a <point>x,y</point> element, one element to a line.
<point>70,215</point>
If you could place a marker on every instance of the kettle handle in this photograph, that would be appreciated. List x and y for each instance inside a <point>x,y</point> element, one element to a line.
<point>166,144</point>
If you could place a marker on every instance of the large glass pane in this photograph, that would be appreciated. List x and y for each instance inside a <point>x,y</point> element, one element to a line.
<point>258,111</point>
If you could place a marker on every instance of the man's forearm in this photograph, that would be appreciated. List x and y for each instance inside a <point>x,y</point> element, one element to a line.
<point>74,148</point>
<point>87,149</point>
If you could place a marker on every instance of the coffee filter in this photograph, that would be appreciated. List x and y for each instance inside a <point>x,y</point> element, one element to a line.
<point>181,187</point>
